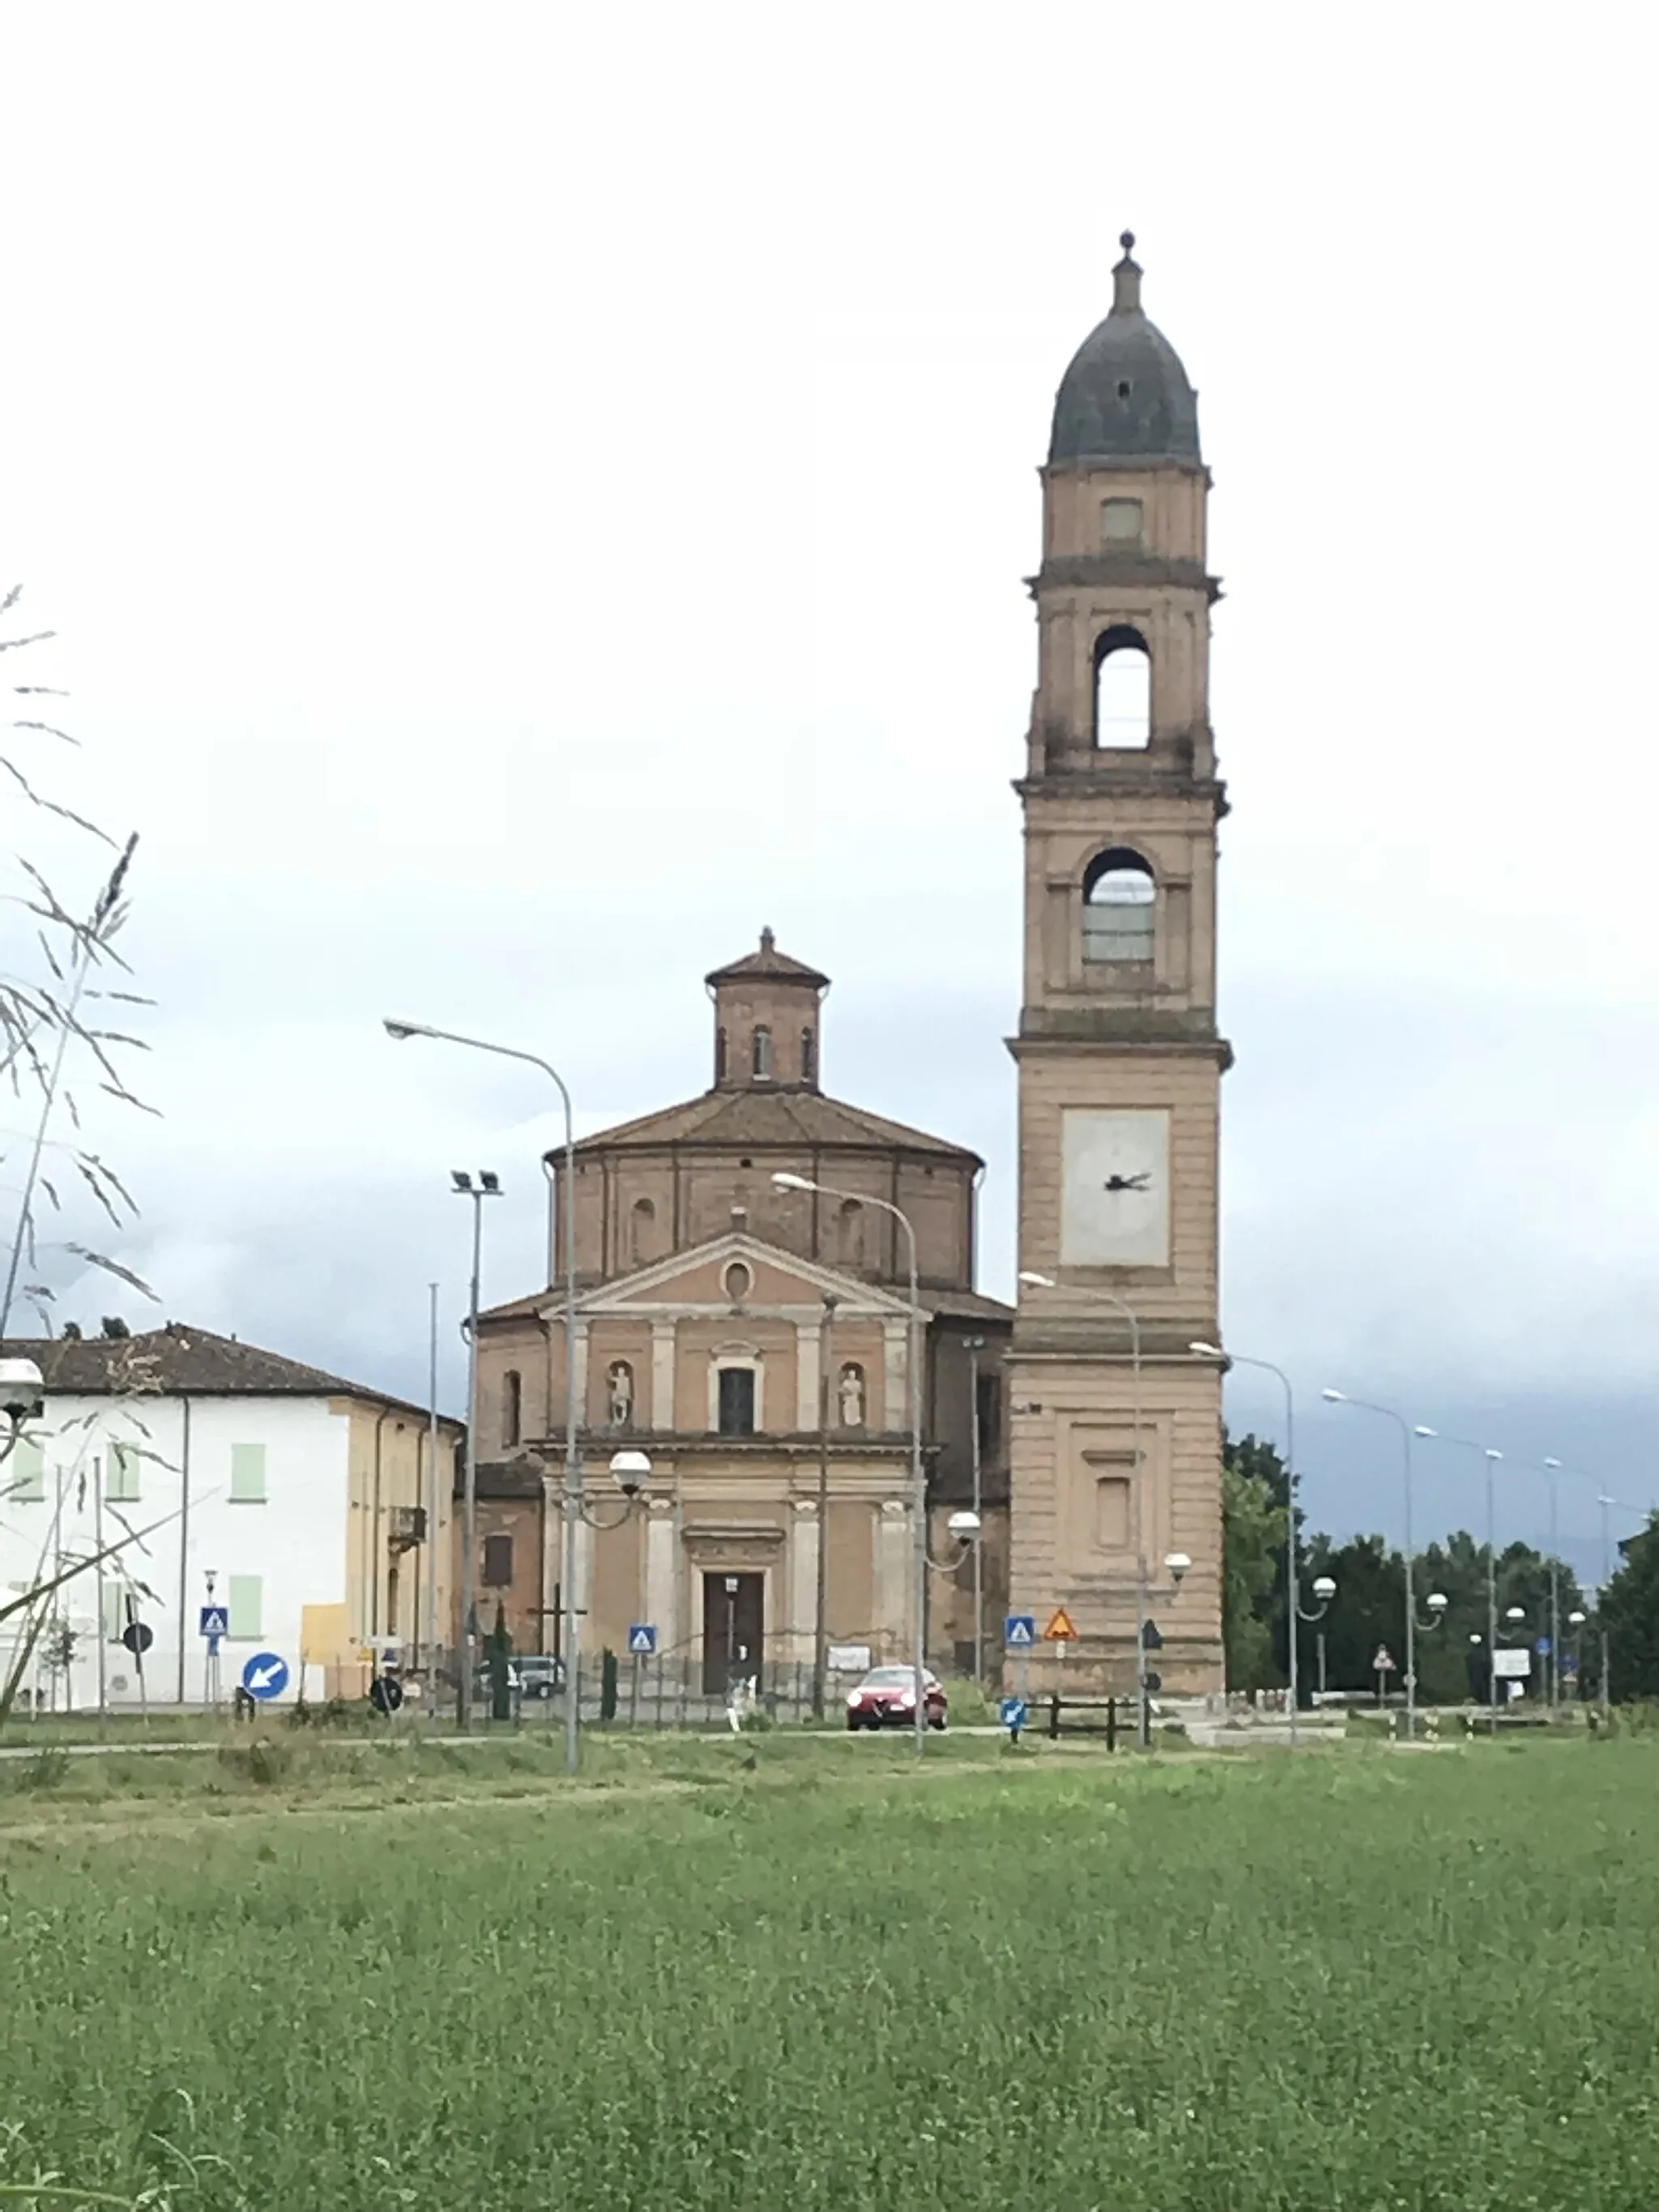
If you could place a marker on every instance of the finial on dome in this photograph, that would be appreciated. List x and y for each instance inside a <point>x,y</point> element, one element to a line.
<point>1125,278</point>
<point>767,940</point>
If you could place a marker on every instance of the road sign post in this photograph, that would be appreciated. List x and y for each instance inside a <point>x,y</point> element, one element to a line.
<point>265,1676</point>
<point>1019,1634</point>
<point>1059,1631</point>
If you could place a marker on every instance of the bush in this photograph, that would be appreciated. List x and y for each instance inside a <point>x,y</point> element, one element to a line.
<point>264,1762</point>
<point>45,1769</point>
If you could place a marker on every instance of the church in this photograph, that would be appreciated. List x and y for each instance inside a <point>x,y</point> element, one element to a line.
<point>752,1338</point>
<point>753,1342</point>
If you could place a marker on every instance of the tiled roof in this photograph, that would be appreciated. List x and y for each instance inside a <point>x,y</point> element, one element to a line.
<point>768,961</point>
<point>179,1361</point>
<point>784,1121</point>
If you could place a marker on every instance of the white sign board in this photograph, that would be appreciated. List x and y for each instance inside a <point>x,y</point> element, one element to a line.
<point>1511,1666</point>
<point>849,1658</point>
<point>1115,1174</point>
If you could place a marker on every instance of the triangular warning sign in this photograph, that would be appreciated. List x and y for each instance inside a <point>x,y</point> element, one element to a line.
<point>1059,1629</point>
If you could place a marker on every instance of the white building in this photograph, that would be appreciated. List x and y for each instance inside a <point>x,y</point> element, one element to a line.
<point>301,1503</point>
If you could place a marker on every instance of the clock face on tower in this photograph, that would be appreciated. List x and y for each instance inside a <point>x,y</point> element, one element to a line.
<point>1114,1187</point>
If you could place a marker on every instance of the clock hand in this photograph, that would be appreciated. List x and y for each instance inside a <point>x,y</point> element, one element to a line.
<point>1125,1182</point>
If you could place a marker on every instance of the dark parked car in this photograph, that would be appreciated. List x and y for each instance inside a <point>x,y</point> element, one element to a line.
<point>886,1698</point>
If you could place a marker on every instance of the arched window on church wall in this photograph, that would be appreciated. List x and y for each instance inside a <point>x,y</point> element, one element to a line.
<point>762,1061</point>
<point>641,1233</point>
<point>1119,908</point>
<point>1123,690</point>
<point>720,1055</point>
<point>512,1408</point>
<point>849,1234</point>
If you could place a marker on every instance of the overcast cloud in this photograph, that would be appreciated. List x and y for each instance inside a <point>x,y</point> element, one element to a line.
<point>530,495</point>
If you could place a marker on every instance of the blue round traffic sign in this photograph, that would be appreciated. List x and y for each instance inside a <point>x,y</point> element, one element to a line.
<point>1011,1711</point>
<point>266,1676</point>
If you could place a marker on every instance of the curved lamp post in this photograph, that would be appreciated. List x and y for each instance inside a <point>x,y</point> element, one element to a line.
<point>1293,1605</point>
<point>1492,1458</point>
<point>1388,1413</point>
<point>401,1031</point>
<point>918,1474</point>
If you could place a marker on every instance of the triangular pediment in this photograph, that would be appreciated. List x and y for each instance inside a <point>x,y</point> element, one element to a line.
<point>699,1280</point>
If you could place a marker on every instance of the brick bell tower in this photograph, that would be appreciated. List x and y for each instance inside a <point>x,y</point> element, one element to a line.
<point>1115,1462</point>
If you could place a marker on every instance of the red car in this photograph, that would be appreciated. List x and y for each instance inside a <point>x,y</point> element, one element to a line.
<point>886,1698</point>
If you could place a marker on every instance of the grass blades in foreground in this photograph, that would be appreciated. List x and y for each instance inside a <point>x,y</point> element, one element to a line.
<point>1364,1981</point>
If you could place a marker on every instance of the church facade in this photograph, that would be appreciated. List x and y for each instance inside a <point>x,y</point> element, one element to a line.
<point>1115,1420</point>
<point>754,1342</point>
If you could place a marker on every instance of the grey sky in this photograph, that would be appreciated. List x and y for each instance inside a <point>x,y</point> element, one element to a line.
<point>489,467</point>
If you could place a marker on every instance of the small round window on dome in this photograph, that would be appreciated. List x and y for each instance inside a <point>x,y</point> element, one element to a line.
<point>740,1281</point>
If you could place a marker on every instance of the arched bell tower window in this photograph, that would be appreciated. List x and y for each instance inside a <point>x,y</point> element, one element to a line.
<point>761,1062</point>
<point>719,1056</point>
<point>1119,907</point>
<point>1123,690</point>
<point>809,1059</point>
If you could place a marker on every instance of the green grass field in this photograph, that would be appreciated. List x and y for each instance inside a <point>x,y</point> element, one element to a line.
<point>1362,1979</point>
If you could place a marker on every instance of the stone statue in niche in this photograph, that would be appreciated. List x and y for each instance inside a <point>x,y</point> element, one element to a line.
<point>852,1396</point>
<point>620,1377</point>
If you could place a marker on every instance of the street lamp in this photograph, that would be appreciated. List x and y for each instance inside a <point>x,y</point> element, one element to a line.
<point>573,1466</point>
<point>1553,1467</point>
<point>1388,1413</point>
<point>487,1186</point>
<point>974,1346</point>
<point>1575,1622</point>
<point>1293,1611</point>
<point>1463,1443</point>
<point>1324,1589</point>
<point>22,1398</point>
<point>918,1474</point>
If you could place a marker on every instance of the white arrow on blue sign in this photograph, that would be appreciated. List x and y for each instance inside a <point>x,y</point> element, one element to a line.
<point>215,1620</point>
<point>1012,1712</point>
<point>641,1639</point>
<point>1019,1628</point>
<point>266,1676</point>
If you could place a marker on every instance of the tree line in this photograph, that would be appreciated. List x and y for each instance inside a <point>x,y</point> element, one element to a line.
<point>1368,1612</point>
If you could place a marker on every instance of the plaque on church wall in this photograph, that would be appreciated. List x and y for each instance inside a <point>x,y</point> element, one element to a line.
<point>1115,1189</point>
